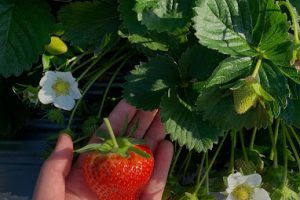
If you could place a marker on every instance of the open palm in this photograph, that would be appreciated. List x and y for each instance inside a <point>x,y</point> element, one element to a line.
<point>60,180</point>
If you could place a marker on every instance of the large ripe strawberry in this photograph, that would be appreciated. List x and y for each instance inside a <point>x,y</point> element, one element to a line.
<point>118,168</point>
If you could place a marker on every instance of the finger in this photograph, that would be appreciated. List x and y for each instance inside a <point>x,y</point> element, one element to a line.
<point>155,133</point>
<point>144,119</point>
<point>156,185</point>
<point>51,182</point>
<point>117,118</point>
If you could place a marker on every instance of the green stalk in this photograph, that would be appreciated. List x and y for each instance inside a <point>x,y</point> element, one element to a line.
<point>84,63</point>
<point>243,146</point>
<point>233,145</point>
<point>293,18</point>
<point>95,61</point>
<point>198,186</point>
<point>293,146</point>
<point>207,177</point>
<point>111,133</point>
<point>200,169</point>
<point>109,86</point>
<point>276,131</point>
<point>175,161</point>
<point>257,66</point>
<point>285,157</point>
<point>187,162</point>
<point>295,134</point>
<point>90,83</point>
<point>273,154</point>
<point>78,58</point>
<point>251,146</point>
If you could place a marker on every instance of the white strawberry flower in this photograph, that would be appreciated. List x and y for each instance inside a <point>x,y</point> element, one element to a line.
<point>247,187</point>
<point>59,88</point>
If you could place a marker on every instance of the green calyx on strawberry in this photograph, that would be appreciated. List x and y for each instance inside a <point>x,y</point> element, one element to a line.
<point>118,168</point>
<point>246,95</point>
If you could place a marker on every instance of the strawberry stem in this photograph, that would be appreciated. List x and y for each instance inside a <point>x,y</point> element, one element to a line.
<point>257,66</point>
<point>293,18</point>
<point>111,133</point>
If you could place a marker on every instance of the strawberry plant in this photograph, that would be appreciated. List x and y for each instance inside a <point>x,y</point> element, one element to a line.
<point>223,73</point>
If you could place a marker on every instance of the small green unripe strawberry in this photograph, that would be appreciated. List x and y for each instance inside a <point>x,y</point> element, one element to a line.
<point>244,166</point>
<point>56,46</point>
<point>244,98</point>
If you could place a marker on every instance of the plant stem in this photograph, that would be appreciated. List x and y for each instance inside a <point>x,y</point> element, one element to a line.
<point>90,83</point>
<point>285,156</point>
<point>198,186</point>
<point>257,66</point>
<point>293,18</point>
<point>251,146</point>
<point>175,160</point>
<point>111,133</point>
<point>207,177</point>
<point>276,131</point>
<point>295,134</point>
<point>273,154</point>
<point>293,146</point>
<point>187,162</point>
<point>83,63</point>
<point>109,86</point>
<point>200,168</point>
<point>233,145</point>
<point>243,146</point>
<point>77,59</point>
<point>95,61</point>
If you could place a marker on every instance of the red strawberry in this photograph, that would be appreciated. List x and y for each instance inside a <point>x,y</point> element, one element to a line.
<point>118,168</point>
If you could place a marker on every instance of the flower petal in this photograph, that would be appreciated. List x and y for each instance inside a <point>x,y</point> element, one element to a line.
<point>260,194</point>
<point>230,197</point>
<point>74,91</point>
<point>48,79</point>
<point>235,180</point>
<point>46,95</point>
<point>253,180</point>
<point>64,102</point>
<point>66,76</point>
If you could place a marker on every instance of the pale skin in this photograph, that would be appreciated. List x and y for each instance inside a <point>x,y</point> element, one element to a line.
<point>60,180</point>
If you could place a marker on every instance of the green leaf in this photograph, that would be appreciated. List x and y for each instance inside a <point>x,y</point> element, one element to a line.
<point>46,60</point>
<point>270,33</point>
<point>291,113</point>
<point>220,25</point>
<point>230,69</point>
<point>87,23</point>
<point>139,35</point>
<point>259,90</point>
<point>291,73</point>
<point>274,83</point>
<point>129,18</point>
<point>151,43</point>
<point>217,107</point>
<point>198,62</point>
<point>25,27</point>
<point>187,128</point>
<point>164,15</point>
<point>246,28</point>
<point>149,81</point>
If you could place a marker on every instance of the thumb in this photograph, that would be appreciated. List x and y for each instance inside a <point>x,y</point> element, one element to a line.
<point>51,181</point>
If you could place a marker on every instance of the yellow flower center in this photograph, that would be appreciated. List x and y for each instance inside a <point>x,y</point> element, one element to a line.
<point>61,87</point>
<point>242,192</point>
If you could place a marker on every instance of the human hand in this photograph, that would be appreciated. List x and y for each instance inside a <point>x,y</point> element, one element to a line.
<point>60,180</point>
